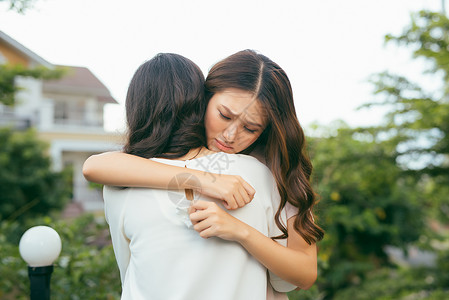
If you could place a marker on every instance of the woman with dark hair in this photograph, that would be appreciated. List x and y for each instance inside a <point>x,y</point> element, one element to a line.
<point>158,253</point>
<point>250,110</point>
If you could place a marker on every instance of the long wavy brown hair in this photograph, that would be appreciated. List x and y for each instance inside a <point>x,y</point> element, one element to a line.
<point>283,139</point>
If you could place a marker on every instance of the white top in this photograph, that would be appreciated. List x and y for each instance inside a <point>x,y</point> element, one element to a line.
<point>161,257</point>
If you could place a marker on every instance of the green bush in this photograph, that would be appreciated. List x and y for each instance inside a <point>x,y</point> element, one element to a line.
<point>311,294</point>
<point>28,186</point>
<point>86,268</point>
<point>401,283</point>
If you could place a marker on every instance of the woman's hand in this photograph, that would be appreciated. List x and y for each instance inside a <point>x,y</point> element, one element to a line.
<point>210,220</point>
<point>296,263</point>
<point>232,189</point>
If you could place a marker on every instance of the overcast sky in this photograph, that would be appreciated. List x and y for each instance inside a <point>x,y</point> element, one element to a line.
<point>327,47</point>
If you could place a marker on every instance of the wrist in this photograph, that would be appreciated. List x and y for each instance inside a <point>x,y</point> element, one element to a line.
<point>243,234</point>
<point>204,181</point>
<point>190,179</point>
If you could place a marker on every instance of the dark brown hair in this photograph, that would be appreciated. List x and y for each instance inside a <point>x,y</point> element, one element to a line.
<point>165,108</point>
<point>283,139</point>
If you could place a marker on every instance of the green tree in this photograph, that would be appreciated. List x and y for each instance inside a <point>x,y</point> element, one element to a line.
<point>418,120</point>
<point>366,203</point>
<point>388,184</point>
<point>28,186</point>
<point>9,73</point>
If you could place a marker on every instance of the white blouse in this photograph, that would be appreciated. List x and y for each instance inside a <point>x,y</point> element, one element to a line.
<point>161,257</point>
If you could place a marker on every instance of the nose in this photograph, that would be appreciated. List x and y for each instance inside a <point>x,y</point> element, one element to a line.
<point>230,132</point>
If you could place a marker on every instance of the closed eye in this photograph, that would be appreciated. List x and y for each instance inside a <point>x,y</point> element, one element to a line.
<point>223,116</point>
<point>250,130</point>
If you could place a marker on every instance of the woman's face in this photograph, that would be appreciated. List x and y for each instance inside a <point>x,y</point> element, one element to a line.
<point>234,120</point>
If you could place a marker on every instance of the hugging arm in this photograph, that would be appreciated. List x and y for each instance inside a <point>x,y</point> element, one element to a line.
<point>296,263</point>
<point>121,169</point>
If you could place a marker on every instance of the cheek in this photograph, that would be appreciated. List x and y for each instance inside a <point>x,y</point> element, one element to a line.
<point>245,140</point>
<point>212,124</point>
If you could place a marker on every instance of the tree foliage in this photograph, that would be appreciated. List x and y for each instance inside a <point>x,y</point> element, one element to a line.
<point>428,37</point>
<point>388,185</point>
<point>28,186</point>
<point>418,120</point>
<point>9,73</point>
<point>366,203</point>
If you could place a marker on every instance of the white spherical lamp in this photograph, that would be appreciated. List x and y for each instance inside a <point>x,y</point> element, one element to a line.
<point>40,246</point>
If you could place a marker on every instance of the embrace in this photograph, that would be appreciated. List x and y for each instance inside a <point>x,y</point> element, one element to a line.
<point>211,196</point>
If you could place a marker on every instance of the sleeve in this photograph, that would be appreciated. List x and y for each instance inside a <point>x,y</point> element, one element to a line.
<point>114,207</point>
<point>273,205</point>
<point>290,210</point>
<point>277,283</point>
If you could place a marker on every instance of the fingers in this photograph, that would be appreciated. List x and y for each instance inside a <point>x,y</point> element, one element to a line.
<point>201,222</point>
<point>198,216</point>
<point>239,199</point>
<point>231,189</point>
<point>203,225</point>
<point>212,221</point>
<point>200,210</point>
<point>241,196</point>
<point>201,204</point>
<point>230,201</point>
<point>226,205</point>
<point>246,198</point>
<point>191,209</point>
<point>207,233</point>
<point>248,188</point>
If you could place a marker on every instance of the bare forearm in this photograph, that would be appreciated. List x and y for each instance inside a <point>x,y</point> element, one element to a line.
<point>296,263</point>
<point>292,265</point>
<point>121,169</point>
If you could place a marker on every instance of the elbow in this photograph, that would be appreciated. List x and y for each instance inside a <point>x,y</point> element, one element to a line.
<point>309,281</point>
<point>88,169</point>
<point>297,281</point>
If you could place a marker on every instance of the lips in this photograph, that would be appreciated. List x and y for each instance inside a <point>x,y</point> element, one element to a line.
<point>222,146</point>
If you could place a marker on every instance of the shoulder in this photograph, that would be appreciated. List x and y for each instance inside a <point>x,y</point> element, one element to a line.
<point>252,170</point>
<point>246,166</point>
<point>226,161</point>
<point>250,161</point>
<point>114,203</point>
<point>111,193</point>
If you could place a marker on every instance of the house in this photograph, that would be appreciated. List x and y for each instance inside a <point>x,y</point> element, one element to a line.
<point>67,113</point>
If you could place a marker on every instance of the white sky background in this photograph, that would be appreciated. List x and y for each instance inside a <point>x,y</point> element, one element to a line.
<point>327,47</point>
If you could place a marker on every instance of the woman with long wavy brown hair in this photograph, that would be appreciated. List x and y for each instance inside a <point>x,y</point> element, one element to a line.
<point>250,110</point>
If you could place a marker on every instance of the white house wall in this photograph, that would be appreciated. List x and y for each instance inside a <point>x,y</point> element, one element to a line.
<point>75,153</point>
<point>57,148</point>
<point>90,198</point>
<point>28,98</point>
<point>90,113</point>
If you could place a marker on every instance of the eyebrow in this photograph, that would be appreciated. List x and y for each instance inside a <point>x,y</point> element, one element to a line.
<point>246,120</point>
